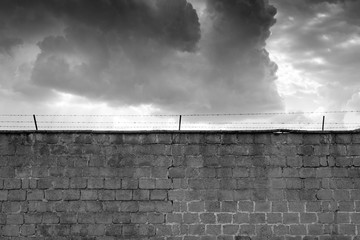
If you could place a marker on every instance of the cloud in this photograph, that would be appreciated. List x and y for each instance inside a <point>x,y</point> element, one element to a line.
<point>320,39</point>
<point>6,44</point>
<point>155,52</point>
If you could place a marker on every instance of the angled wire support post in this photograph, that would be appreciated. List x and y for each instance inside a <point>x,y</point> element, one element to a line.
<point>179,122</point>
<point>36,126</point>
<point>323,123</point>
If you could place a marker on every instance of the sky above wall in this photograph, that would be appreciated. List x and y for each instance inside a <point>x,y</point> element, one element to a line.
<point>178,56</point>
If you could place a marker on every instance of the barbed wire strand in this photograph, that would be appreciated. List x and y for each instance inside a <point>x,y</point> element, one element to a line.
<point>185,115</point>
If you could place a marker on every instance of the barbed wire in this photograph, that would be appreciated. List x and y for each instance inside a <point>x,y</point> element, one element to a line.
<point>230,121</point>
<point>185,115</point>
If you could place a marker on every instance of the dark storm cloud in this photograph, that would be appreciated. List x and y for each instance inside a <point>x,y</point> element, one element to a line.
<point>150,51</point>
<point>235,43</point>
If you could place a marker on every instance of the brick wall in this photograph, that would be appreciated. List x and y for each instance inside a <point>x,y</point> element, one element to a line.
<point>187,186</point>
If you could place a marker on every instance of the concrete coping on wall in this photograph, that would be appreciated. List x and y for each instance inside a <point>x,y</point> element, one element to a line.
<point>271,131</point>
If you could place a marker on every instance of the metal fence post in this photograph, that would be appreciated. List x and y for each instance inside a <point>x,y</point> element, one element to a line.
<point>179,122</point>
<point>36,127</point>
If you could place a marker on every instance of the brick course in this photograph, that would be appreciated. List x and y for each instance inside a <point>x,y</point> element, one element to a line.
<point>179,186</point>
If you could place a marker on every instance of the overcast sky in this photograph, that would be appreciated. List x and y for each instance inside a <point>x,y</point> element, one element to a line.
<point>178,56</point>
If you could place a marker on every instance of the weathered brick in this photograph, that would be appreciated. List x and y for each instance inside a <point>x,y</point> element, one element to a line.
<point>281,230</point>
<point>291,172</point>
<point>129,183</point>
<point>10,230</point>
<point>292,195</point>
<point>257,218</point>
<point>341,183</point>
<point>112,183</point>
<point>27,230</point>
<point>339,172</point>
<point>279,206</point>
<point>323,172</point>
<point>315,229</point>
<point>274,195</point>
<point>262,206</point>
<point>311,139</point>
<point>174,218</point>
<point>213,229</point>
<point>342,217</point>
<point>78,183</point>
<point>147,183</point>
<point>353,149</point>
<point>12,183</point>
<point>346,206</point>
<point>355,194</point>
<point>325,217</point>
<point>188,218</point>
<point>246,206</point>
<point>240,172</point>
<point>309,194</point>
<point>212,206</point>
<point>89,195</point>
<point>96,229</point>
<point>45,183</point>
<point>224,217</point>
<point>163,206</point>
<point>156,218</point>
<point>103,217</point>
<point>14,219</point>
<point>3,195</point>
<point>305,150</point>
<point>121,195</point>
<point>163,230</point>
<point>343,161</point>
<point>322,150</point>
<point>355,218</point>
<point>311,183</point>
<point>123,217</point>
<point>338,150</point>
<point>341,195</point>
<point>297,229</point>
<point>247,229</point>
<point>196,206</point>
<point>298,206</point>
<point>229,206</point>
<point>106,195</point>
<point>307,172</point>
<point>60,182</point>
<point>158,194</point>
<point>163,183</point>
<point>347,229</point>
<point>274,218</point>
<point>230,229</point>
<point>159,172</point>
<point>50,218</point>
<point>95,183</point>
<point>293,183</point>
<point>71,194</point>
<point>33,218</point>
<point>308,217</point>
<point>35,195</point>
<point>278,183</point>
<point>324,194</point>
<point>16,195</point>
<point>290,218</point>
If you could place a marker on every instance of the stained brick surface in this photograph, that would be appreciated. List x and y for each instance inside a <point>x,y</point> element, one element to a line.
<point>179,186</point>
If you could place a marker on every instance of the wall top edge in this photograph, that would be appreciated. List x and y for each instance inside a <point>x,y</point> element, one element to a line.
<point>272,131</point>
